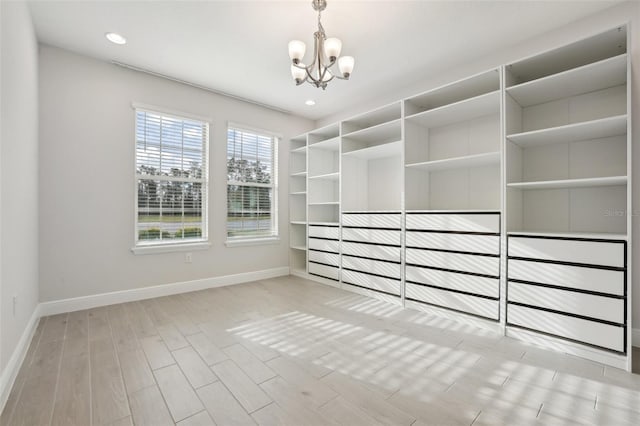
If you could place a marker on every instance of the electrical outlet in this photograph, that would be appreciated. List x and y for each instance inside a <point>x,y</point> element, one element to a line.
<point>188,258</point>
<point>15,301</point>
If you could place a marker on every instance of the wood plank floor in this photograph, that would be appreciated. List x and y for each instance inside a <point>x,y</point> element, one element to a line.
<point>292,352</point>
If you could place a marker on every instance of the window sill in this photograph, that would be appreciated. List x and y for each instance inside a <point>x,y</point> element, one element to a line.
<point>243,242</point>
<point>170,248</point>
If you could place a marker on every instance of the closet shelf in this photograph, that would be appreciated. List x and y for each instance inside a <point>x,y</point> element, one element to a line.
<point>377,151</point>
<point>298,193</point>
<point>372,119</point>
<point>325,203</point>
<point>327,176</point>
<point>466,109</point>
<point>299,174</point>
<point>591,235</point>
<point>332,144</point>
<point>325,223</point>
<point>301,150</point>
<point>588,78</point>
<point>477,160</point>
<point>453,211</point>
<point>298,222</point>
<point>571,183</point>
<point>303,248</point>
<point>594,129</point>
<point>385,131</point>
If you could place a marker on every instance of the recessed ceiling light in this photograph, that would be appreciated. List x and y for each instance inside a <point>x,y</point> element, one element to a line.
<point>310,102</point>
<point>115,38</point>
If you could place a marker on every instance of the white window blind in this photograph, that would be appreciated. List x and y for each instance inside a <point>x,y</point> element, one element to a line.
<point>251,184</point>
<point>171,178</point>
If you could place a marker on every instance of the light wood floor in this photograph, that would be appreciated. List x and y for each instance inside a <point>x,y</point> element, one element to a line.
<point>289,351</point>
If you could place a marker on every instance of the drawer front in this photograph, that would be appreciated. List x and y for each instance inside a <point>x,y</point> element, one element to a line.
<point>387,285</point>
<point>463,282</point>
<point>489,244</point>
<point>455,222</point>
<point>588,305</point>
<point>374,252</point>
<point>321,257</point>
<point>461,302</point>
<point>372,236</point>
<point>600,280</point>
<point>594,333</point>
<point>486,265</point>
<point>324,271</point>
<point>375,220</point>
<point>326,245</point>
<point>324,232</point>
<point>387,269</point>
<point>576,251</point>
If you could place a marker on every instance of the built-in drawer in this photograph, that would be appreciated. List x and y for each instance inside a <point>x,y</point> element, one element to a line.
<point>324,271</point>
<point>591,332</point>
<point>371,251</point>
<point>374,282</point>
<point>332,232</point>
<point>391,270</point>
<point>489,244</point>
<point>325,245</point>
<point>455,222</point>
<point>578,277</point>
<point>487,265</point>
<point>377,236</point>
<point>475,305</point>
<point>322,257</point>
<point>373,220</point>
<point>456,281</point>
<point>565,250</point>
<point>587,305</point>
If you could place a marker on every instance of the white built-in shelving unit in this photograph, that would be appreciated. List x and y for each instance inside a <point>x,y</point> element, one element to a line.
<point>500,199</point>
<point>568,163</point>
<point>452,140</point>
<point>371,160</point>
<point>298,205</point>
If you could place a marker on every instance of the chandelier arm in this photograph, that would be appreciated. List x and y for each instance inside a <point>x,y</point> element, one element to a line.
<point>318,65</point>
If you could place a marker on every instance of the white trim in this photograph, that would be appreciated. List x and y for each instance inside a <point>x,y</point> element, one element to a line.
<point>10,372</point>
<point>96,300</point>
<point>169,111</point>
<point>170,248</point>
<point>559,345</point>
<point>461,318</point>
<point>263,132</point>
<point>243,242</point>
<point>635,341</point>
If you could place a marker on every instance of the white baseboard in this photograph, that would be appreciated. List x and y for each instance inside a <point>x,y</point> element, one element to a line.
<point>104,299</point>
<point>635,337</point>
<point>563,346</point>
<point>10,372</point>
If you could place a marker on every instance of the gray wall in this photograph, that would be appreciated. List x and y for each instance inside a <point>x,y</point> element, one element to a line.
<point>18,176</point>
<point>87,179</point>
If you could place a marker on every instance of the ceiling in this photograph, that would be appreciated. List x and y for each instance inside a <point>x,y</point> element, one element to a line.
<point>240,47</point>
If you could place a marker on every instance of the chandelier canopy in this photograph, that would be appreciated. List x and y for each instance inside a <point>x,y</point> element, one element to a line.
<point>326,52</point>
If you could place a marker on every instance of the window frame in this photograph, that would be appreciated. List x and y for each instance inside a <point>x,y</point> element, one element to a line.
<point>250,240</point>
<point>167,246</point>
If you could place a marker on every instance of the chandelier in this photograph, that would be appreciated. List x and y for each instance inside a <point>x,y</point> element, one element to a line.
<point>326,52</point>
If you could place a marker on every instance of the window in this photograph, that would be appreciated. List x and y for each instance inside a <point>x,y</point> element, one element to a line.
<point>251,185</point>
<point>171,179</point>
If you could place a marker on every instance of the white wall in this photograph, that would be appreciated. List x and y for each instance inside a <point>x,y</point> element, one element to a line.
<point>602,21</point>
<point>18,176</point>
<point>87,179</point>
